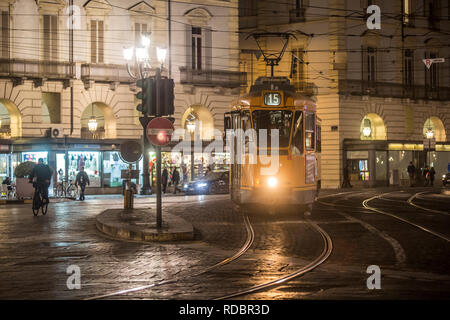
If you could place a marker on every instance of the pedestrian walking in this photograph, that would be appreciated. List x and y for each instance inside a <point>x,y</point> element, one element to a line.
<point>82,180</point>
<point>426,175</point>
<point>164,179</point>
<point>175,180</point>
<point>346,182</point>
<point>411,172</point>
<point>432,173</point>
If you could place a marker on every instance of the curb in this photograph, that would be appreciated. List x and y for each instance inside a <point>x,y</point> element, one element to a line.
<point>25,201</point>
<point>110,222</point>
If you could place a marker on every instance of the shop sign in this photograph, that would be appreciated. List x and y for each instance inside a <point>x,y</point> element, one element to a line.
<point>357,155</point>
<point>87,146</point>
<point>4,147</point>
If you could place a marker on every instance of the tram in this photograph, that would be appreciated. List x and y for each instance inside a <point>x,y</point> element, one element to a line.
<point>272,103</point>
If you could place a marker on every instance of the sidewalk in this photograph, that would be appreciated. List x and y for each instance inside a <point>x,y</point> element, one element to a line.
<point>140,225</point>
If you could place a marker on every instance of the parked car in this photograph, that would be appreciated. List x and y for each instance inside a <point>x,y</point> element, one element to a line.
<point>446,179</point>
<point>213,183</point>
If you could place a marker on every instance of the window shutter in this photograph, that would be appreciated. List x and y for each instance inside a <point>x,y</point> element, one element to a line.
<point>5,34</point>
<point>137,34</point>
<point>188,46</point>
<point>93,41</point>
<point>100,42</point>
<point>54,37</point>
<point>208,49</point>
<point>46,49</point>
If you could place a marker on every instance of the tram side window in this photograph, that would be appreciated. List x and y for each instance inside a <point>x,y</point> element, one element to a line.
<point>309,131</point>
<point>297,139</point>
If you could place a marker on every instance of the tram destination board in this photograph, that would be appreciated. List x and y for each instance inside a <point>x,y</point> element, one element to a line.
<point>272,99</point>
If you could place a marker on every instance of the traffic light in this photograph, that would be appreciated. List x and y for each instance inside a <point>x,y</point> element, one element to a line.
<point>167,97</point>
<point>146,95</point>
<point>293,66</point>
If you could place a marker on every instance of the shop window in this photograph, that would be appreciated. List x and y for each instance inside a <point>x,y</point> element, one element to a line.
<point>90,162</point>
<point>3,166</point>
<point>309,130</point>
<point>51,107</point>
<point>359,170</point>
<point>381,165</point>
<point>112,169</point>
<point>35,156</point>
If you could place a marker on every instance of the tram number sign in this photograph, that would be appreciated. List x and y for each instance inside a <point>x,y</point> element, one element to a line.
<point>272,99</point>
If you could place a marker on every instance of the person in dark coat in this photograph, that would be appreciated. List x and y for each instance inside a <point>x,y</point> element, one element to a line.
<point>426,175</point>
<point>7,182</point>
<point>164,179</point>
<point>411,172</point>
<point>432,173</point>
<point>175,180</point>
<point>81,180</point>
<point>346,182</point>
<point>43,174</point>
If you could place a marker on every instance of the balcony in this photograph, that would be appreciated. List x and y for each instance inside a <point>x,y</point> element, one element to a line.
<point>105,73</point>
<point>38,70</point>
<point>213,78</point>
<point>297,15</point>
<point>393,90</point>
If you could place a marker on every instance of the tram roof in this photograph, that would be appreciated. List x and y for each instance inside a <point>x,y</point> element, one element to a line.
<point>281,84</point>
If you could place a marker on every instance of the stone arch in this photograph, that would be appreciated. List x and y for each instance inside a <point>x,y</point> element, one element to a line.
<point>437,127</point>
<point>107,123</point>
<point>200,119</point>
<point>372,127</point>
<point>13,118</point>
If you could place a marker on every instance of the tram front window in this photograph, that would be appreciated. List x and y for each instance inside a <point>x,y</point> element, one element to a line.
<point>274,119</point>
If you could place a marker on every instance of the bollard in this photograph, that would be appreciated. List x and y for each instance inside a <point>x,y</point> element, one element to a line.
<point>128,199</point>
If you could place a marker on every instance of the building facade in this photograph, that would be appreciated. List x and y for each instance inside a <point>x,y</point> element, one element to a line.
<point>53,82</point>
<point>377,100</point>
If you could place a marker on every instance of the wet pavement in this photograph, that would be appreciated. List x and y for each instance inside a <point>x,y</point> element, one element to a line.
<point>35,252</point>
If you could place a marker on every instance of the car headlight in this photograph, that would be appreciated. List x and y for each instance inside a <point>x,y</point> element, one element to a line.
<point>186,186</point>
<point>443,176</point>
<point>272,182</point>
<point>201,185</point>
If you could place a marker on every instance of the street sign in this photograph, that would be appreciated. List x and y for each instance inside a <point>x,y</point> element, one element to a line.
<point>429,62</point>
<point>429,144</point>
<point>159,131</point>
<point>131,151</point>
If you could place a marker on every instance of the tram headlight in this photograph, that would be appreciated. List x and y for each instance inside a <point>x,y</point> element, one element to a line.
<point>272,182</point>
<point>202,185</point>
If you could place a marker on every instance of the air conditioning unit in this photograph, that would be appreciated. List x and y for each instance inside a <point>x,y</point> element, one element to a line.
<point>57,132</point>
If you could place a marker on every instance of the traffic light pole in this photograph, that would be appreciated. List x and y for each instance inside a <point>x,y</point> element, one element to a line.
<point>158,156</point>
<point>146,158</point>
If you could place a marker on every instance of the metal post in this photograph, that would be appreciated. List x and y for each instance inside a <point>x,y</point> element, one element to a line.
<point>158,155</point>
<point>145,168</point>
<point>192,164</point>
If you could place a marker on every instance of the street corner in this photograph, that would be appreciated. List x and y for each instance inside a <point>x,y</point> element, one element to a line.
<point>140,225</point>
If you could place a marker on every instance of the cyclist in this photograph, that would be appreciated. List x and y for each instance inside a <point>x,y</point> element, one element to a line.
<point>43,174</point>
<point>81,180</point>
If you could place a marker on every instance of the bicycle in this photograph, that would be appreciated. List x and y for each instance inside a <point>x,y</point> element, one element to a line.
<point>38,200</point>
<point>60,190</point>
<point>72,190</point>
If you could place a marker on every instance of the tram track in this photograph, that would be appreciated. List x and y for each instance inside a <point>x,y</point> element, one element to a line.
<point>366,205</point>
<point>416,195</point>
<point>243,249</point>
<point>326,252</point>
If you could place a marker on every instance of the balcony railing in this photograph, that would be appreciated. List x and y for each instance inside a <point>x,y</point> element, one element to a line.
<point>21,68</point>
<point>213,78</point>
<point>393,90</point>
<point>105,73</point>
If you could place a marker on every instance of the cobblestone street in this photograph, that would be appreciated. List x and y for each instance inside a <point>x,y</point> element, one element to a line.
<point>35,252</point>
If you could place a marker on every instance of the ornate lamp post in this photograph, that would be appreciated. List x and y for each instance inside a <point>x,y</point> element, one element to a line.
<point>430,135</point>
<point>142,63</point>
<point>92,124</point>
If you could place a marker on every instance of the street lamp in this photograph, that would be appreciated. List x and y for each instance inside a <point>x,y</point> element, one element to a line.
<point>92,124</point>
<point>430,133</point>
<point>367,129</point>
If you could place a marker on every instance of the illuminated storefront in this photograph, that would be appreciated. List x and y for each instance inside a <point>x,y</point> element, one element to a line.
<point>382,163</point>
